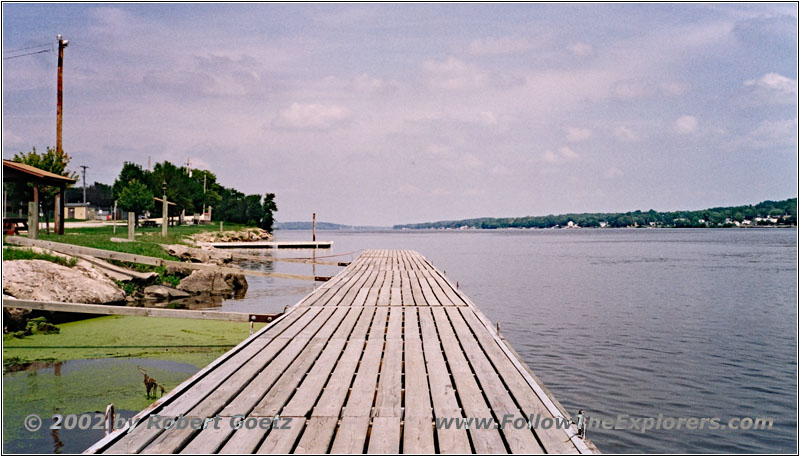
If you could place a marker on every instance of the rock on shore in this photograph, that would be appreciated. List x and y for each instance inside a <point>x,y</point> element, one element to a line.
<point>251,234</point>
<point>47,281</point>
<point>214,283</point>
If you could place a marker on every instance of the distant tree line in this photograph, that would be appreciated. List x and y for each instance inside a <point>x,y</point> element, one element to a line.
<point>765,213</point>
<point>136,188</point>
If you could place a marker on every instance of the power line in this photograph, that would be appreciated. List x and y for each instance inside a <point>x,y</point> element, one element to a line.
<point>29,47</point>
<point>28,54</point>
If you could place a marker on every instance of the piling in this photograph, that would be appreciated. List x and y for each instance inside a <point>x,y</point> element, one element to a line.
<point>33,220</point>
<point>131,226</point>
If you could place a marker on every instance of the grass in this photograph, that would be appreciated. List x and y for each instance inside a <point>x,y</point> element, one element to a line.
<point>147,241</point>
<point>10,253</point>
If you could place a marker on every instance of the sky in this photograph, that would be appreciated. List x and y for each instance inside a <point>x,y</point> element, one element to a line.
<point>381,114</point>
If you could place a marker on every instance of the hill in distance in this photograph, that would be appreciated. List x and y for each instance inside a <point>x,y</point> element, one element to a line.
<point>765,214</point>
<point>325,226</point>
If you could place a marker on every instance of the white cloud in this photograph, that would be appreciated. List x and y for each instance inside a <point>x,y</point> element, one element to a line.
<point>500,170</point>
<point>581,49</point>
<point>673,88</point>
<point>564,153</point>
<point>625,133</point>
<point>408,189</point>
<point>686,124</point>
<point>613,173</point>
<point>774,87</point>
<point>501,45</point>
<point>628,90</point>
<point>568,153</point>
<point>454,74</point>
<point>577,134</point>
<point>773,134</point>
<point>314,116</point>
<point>471,161</point>
<point>550,156</point>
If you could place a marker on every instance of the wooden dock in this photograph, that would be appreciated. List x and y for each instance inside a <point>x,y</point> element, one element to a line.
<point>272,245</point>
<point>367,363</point>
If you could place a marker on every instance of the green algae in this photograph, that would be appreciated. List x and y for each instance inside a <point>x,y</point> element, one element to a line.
<point>187,340</point>
<point>93,362</point>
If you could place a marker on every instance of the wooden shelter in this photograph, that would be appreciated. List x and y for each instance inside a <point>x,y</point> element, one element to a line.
<point>22,173</point>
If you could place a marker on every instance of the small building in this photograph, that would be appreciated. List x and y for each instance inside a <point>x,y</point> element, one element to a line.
<point>80,211</point>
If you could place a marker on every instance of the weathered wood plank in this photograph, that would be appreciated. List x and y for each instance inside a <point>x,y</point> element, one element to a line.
<point>519,440</point>
<point>485,440</point>
<point>351,435</point>
<point>388,400</point>
<point>317,436</point>
<point>384,438</point>
<point>554,440</point>
<point>445,404</point>
<point>282,441</point>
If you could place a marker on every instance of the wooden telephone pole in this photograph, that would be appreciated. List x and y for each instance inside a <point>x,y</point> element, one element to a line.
<point>59,213</point>
<point>62,43</point>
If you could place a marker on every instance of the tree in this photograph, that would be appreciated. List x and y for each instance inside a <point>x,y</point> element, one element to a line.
<point>269,207</point>
<point>136,198</point>
<point>130,172</point>
<point>254,211</point>
<point>181,189</point>
<point>98,194</point>
<point>52,161</point>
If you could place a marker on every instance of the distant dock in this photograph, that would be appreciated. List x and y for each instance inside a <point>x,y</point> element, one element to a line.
<point>272,245</point>
<point>374,361</point>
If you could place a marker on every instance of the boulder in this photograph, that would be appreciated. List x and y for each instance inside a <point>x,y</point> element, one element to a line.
<point>198,255</point>
<point>185,253</point>
<point>213,282</point>
<point>162,292</point>
<point>47,281</point>
<point>178,271</point>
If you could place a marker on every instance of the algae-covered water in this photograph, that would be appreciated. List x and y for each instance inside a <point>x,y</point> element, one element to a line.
<point>80,387</point>
<point>94,362</point>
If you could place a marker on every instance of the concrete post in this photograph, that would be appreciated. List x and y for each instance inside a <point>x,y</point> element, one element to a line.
<point>220,226</point>
<point>131,226</point>
<point>33,220</point>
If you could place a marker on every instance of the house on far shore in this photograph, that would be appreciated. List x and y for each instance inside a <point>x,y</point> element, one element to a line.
<point>80,211</point>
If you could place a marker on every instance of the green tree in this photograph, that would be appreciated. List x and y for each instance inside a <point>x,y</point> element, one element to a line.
<point>269,208</point>
<point>136,198</point>
<point>182,190</point>
<point>130,172</point>
<point>52,161</point>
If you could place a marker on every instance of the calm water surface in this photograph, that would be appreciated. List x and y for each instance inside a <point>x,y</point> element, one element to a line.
<point>684,323</point>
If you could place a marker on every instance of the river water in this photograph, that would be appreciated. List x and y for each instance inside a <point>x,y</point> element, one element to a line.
<point>645,322</point>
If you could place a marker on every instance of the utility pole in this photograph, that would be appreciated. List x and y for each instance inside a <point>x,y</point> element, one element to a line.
<point>62,43</point>
<point>84,183</point>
